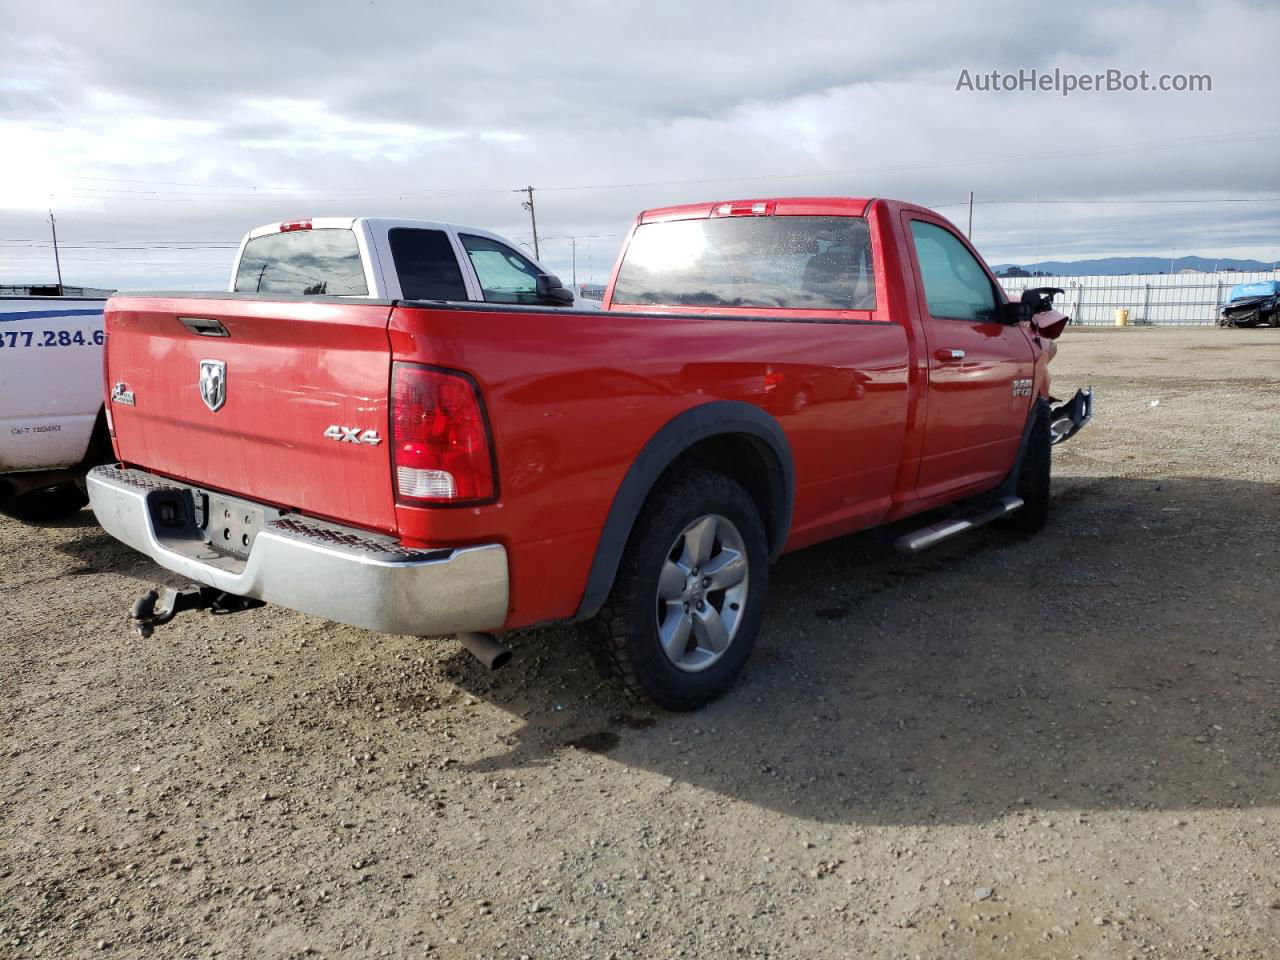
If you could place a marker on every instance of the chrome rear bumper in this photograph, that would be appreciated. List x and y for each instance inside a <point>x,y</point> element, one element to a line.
<point>337,572</point>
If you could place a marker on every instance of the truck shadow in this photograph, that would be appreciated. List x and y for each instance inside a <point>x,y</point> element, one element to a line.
<point>1128,657</point>
<point>96,551</point>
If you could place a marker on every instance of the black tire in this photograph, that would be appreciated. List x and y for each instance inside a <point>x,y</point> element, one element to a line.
<point>45,504</point>
<point>624,636</point>
<point>1034,477</point>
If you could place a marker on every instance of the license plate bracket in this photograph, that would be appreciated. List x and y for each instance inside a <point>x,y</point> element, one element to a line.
<point>232,525</point>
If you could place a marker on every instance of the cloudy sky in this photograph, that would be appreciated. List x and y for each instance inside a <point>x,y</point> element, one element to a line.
<point>159,133</point>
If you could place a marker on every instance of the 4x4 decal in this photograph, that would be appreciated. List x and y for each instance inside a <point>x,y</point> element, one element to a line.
<point>352,435</point>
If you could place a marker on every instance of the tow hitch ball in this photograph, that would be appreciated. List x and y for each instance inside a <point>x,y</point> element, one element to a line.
<point>160,606</point>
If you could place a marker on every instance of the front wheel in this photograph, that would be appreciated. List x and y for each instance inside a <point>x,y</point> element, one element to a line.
<point>687,603</point>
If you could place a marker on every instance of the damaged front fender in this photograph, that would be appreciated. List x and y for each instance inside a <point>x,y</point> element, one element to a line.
<point>1068,419</point>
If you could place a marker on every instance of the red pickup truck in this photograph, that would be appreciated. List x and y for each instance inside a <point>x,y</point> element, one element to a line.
<point>766,374</point>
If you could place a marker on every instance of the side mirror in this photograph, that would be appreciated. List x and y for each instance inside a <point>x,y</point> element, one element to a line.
<point>1040,299</point>
<point>551,290</point>
<point>1015,312</point>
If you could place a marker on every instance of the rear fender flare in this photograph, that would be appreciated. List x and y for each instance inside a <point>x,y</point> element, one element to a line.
<point>675,438</point>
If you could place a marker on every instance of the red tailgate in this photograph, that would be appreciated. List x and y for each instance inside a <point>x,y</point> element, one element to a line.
<point>293,369</point>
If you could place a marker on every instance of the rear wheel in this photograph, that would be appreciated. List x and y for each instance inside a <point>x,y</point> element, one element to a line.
<point>689,596</point>
<point>56,502</point>
<point>1034,477</point>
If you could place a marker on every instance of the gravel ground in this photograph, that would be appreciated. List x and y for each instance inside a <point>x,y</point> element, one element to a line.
<point>1063,746</point>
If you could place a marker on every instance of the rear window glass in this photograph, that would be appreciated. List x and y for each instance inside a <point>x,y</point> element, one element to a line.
<point>810,263</point>
<point>306,262</point>
<point>426,265</point>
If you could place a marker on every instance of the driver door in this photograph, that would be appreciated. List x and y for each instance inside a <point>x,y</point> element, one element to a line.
<point>980,369</point>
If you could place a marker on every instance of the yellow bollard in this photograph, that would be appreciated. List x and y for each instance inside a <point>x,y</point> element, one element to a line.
<point>1122,316</point>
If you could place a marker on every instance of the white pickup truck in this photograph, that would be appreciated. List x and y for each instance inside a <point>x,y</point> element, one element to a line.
<point>51,392</point>
<point>390,259</point>
<point>52,424</point>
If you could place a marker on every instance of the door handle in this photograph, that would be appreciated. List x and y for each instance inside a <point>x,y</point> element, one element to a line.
<point>945,355</point>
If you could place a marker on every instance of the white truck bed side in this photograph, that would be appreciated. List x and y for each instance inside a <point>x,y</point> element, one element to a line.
<point>50,380</point>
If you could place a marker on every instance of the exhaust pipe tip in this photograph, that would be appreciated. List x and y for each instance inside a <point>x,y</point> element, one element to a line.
<point>486,648</point>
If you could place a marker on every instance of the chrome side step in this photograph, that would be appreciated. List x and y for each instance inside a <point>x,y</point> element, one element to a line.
<point>935,533</point>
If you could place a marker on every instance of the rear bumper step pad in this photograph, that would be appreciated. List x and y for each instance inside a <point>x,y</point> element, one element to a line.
<point>343,574</point>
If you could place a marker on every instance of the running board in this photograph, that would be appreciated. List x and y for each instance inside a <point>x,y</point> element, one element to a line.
<point>935,533</point>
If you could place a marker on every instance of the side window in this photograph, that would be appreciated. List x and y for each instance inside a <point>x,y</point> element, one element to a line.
<point>426,264</point>
<point>505,276</point>
<point>955,285</point>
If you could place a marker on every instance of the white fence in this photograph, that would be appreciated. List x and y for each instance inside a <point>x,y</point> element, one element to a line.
<point>1156,298</point>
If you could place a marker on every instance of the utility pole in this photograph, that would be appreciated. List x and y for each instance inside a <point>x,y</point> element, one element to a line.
<point>574,242</point>
<point>57,262</point>
<point>1037,266</point>
<point>533,219</point>
<point>969,233</point>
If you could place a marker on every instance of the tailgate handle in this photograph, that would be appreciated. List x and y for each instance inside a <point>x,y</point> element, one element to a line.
<point>204,327</point>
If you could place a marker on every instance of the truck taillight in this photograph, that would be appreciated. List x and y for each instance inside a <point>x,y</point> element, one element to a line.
<point>440,439</point>
<point>290,225</point>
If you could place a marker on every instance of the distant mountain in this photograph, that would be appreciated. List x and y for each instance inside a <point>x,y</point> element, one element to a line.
<point>1114,266</point>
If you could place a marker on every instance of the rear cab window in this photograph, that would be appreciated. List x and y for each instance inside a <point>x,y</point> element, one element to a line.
<point>426,264</point>
<point>793,262</point>
<point>303,262</point>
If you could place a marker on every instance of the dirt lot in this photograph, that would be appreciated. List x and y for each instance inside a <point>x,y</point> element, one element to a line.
<point>1066,746</point>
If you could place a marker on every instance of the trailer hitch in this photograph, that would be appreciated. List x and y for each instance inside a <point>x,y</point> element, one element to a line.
<point>156,607</point>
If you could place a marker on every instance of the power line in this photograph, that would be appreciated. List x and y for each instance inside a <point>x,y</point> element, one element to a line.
<point>123,240</point>
<point>114,263</point>
<point>126,244</point>
<point>211,246</point>
<point>575,236</point>
<point>109,249</point>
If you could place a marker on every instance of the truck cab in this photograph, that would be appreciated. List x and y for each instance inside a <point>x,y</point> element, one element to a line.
<point>379,258</point>
<point>859,262</point>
